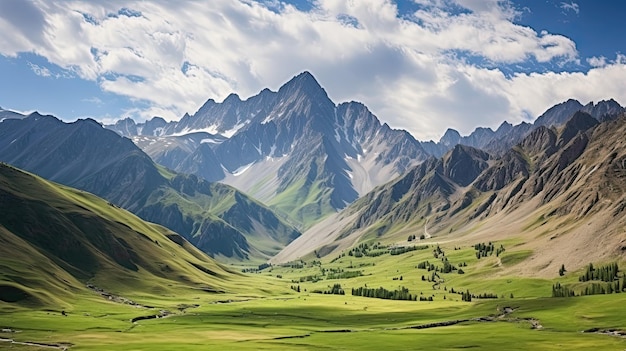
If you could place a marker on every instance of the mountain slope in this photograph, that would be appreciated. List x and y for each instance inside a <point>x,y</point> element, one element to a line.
<point>301,154</point>
<point>85,155</point>
<point>560,189</point>
<point>55,239</point>
<point>408,199</point>
<point>293,149</point>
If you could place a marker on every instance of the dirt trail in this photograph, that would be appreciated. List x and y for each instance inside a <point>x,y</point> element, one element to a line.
<point>426,233</point>
<point>37,344</point>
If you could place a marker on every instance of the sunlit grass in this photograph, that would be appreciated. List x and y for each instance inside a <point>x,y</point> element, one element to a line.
<point>264,313</point>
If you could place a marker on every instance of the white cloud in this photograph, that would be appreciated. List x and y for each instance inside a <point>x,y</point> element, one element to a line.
<point>531,91</point>
<point>570,6</point>
<point>414,72</point>
<point>39,70</point>
<point>94,100</point>
<point>597,61</point>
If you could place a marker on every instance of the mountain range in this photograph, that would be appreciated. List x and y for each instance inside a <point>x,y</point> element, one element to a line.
<point>295,150</point>
<point>241,179</point>
<point>561,187</point>
<point>216,218</point>
<point>508,135</point>
<point>306,157</point>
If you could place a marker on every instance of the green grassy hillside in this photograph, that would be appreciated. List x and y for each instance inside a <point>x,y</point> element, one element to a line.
<point>216,218</point>
<point>289,307</point>
<point>56,240</point>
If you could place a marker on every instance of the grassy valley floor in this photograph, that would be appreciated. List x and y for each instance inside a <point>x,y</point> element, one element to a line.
<point>267,313</point>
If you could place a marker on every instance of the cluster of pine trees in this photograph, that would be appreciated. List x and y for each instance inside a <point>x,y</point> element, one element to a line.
<point>559,290</point>
<point>484,250</point>
<point>447,266</point>
<point>426,265</point>
<point>607,277</point>
<point>308,278</point>
<point>606,273</point>
<point>382,293</point>
<point>413,237</point>
<point>378,249</point>
<point>438,252</point>
<point>468,296</point>
<point>365,249</point>
<point>334,290</point>
<point>344,274</point>
<point>404,249</point>
<point>432,278</point>
<point>257,269</point>
<point>597,288</point>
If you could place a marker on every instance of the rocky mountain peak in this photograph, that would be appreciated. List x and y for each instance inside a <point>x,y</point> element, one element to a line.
<point>306,78</point>
<point>88,122</point>
<point>126,127</point>
<point>464,163</point>
<point>232,98</point>
<point>504,128</point>
<point>604,109</point>
<point>559,114</point>
<point>580,122</point>
<point>304,83</point>
<point>450,138</point>
<point>207,105</point>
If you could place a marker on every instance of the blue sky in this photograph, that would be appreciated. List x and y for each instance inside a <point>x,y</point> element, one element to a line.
<point>420,65</point>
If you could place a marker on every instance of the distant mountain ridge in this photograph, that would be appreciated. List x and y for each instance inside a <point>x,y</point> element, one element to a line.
<point>214,217</point>
<point>507,135</point>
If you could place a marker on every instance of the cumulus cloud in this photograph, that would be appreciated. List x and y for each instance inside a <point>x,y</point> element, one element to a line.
<point>14,14</point>
<point>425,71</point>
<point>599,61</point>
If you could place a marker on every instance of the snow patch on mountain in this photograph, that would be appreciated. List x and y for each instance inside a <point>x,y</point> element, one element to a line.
<point>229,133</point>
<point>241,170</point>
<point>211,130</point>
<point>210,141</point>
<point>156,132</point>
<point>271,117</point>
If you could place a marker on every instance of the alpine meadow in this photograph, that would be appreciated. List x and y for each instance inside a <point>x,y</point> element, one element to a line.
<point>305,204</point>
